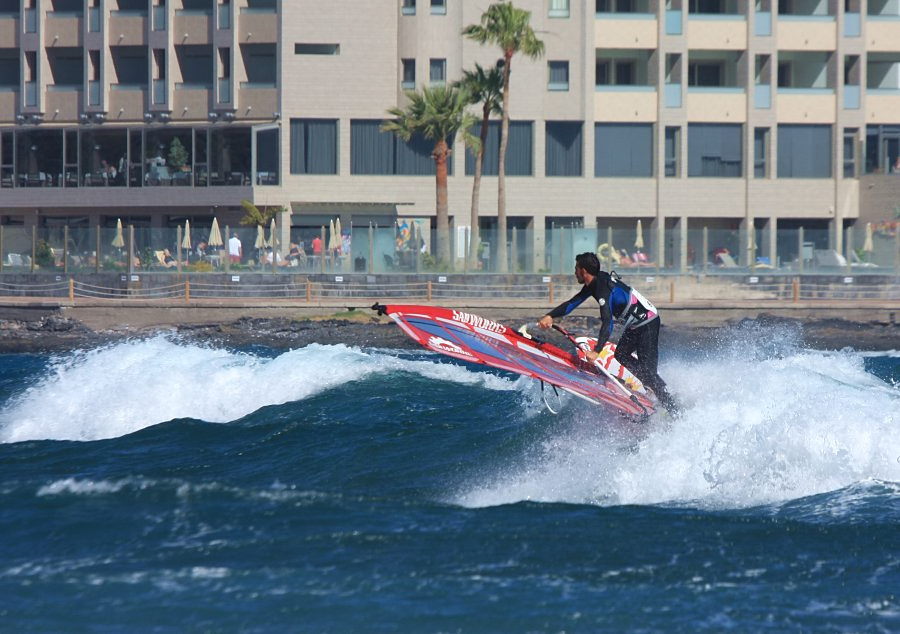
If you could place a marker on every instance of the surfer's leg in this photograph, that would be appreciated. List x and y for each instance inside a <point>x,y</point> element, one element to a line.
<point>647,367</point>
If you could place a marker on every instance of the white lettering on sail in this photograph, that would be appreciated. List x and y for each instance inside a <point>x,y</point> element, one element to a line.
<point>478,322</point>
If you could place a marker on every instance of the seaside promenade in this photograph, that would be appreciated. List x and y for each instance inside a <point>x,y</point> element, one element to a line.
<point>115,314</point>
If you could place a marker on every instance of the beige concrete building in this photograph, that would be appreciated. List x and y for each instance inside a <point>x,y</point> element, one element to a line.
<point>700,118</point>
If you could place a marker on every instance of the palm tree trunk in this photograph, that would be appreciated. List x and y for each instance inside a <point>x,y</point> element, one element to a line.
<point>501,171</point>
<point>475,236</point>
<point>441,153</point>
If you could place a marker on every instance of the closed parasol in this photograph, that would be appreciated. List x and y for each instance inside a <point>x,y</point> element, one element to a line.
<point>119,240</point>
<point>215,236</point>
<point>639,237</point>
<point>186,242</point>
<point>868,245</point>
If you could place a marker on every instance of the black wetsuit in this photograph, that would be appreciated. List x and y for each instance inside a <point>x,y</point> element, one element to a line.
<point>641,334</point>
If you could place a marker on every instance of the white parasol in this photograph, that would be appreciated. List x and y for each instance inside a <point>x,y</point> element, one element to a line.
<point>639,237</point>
<point>868,246</point>
<point>215,236</point>
<point>119,240</point>
<point>273,242</point>
<point>260,238</point>
<point>186,242</point>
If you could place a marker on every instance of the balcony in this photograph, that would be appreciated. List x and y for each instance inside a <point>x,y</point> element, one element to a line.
<point>626,30</point>
<point>9,27</point>
<point>626,103</point>
<point>882,33</point>
<point>63,29</point>
<point>127,29</point>
<point>191,28</point>
<point>257,25</point>
<point>719,32</point>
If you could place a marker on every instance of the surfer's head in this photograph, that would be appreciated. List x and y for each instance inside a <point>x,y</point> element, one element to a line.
<point>588,261</point>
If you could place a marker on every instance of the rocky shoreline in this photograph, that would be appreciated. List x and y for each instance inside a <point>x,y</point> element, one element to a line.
<point>55,333</point>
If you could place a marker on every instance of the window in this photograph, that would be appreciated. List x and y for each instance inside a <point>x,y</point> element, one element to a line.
<point>563,146</point>
<point>559,75</point>
<point>714,150</point>
<point>623,149</point>
<point>705,74</point>
<point>616,72</point>
<point>408,76</point>
<point>408,7</point>
<point>260,64</point>
<point>438,7</point>
<point>437,70</point>
<point>804,151</point>
<point>196,64</point>
<point>66,66</point>
<point>673,151</point>
<point>314,146</point>
<point>559,8</point>
<point>850,152</point>
<point>519,150</point>
<point>375,152</point>
<point>317,49</point>
<point>760,152</point>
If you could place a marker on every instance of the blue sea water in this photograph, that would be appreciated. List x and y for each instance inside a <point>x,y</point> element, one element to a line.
<point>158,485</point>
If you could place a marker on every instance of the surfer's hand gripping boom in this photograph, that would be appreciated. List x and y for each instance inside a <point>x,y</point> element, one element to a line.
<point>585,348</point>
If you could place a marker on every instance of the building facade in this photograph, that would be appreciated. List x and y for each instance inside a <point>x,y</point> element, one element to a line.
<point>740,118</point>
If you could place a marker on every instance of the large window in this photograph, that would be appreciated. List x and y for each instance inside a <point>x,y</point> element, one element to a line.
<point>804,151</point>
<point>519,150</point>
<point>564,142</point>
<point>375,152</point>
<point>623,149</point>
<point>714,150</point>
<point>437,71</point>
<point>314,146</point>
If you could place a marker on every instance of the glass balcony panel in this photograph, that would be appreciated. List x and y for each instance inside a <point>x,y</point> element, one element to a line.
<point>673,22</point>
<point>762,96</point>
<point>851,97</point>
<point>762,27</point>
<point>673,95</point>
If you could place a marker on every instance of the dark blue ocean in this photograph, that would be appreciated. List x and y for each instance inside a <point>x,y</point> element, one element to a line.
<point>159,485</point>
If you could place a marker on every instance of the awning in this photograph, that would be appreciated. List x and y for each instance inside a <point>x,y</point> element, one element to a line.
<point>312,213</point>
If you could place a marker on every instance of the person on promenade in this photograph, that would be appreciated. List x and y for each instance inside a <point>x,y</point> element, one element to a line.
<point>640,318</point>
<point>235,249</point>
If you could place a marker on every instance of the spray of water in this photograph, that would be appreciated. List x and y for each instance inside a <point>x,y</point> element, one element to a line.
<point>765,421</point>
<point>127,386</point>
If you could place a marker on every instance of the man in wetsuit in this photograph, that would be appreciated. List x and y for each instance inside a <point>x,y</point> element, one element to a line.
<point>641,320</point>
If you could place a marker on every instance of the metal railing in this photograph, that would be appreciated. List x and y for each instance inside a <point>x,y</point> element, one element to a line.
<point>313,289</point>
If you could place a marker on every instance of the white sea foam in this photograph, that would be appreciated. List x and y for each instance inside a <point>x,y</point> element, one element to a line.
<point>755,431</point>
<point>125,387</point>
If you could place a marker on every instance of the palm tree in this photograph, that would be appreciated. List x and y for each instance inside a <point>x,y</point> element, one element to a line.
<point>437,114</point>
<point>486,88</point>
<point>509,28</point>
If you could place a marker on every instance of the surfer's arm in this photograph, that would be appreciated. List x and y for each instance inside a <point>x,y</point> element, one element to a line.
<point>568,306</point>
<point>606,321</point>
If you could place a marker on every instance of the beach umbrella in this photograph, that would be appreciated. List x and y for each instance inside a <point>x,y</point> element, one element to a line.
<point>186,242</point>
<point>215,236</point>
<point>868,246</point>
<point>273,242</point>
<point>639,237</point>
<point>337,234</point>
<point>260,238</point>
<point>333,242</point>
<point>119,240</point>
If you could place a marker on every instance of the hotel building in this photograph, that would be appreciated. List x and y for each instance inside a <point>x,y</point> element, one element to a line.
<point>727,116</point>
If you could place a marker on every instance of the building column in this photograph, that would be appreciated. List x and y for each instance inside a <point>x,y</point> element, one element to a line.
<point>539,244</point>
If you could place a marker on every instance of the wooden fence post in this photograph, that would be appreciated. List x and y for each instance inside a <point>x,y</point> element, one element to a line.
<point>187,291</point>
<point>550,290</point>
<point>795,289</point>
<point>308,291</point>
<point>71,289</point>
<point>428,292</point>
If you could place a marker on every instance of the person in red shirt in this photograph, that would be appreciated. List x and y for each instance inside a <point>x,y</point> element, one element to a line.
<point>317,245</point>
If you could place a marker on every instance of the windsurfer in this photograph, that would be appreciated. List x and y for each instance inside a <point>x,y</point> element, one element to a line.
<point>640,318</point>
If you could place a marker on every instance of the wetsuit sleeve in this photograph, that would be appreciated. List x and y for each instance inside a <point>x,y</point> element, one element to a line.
<point>606,320</point>
<point>568,306</point>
